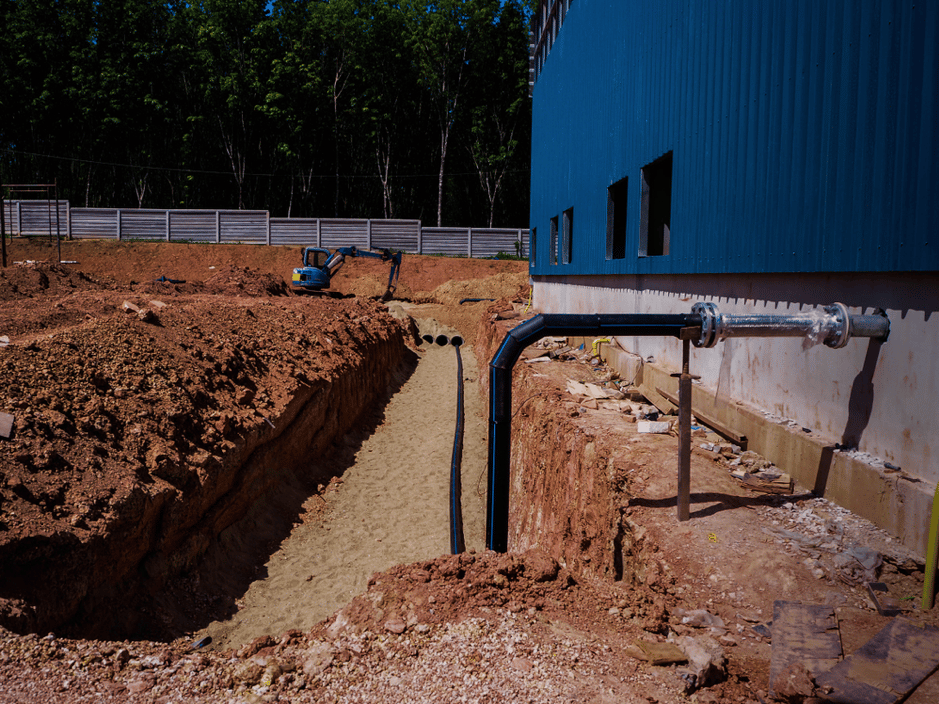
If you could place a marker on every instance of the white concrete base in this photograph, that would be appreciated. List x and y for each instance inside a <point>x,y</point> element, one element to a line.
<point>877,397</point>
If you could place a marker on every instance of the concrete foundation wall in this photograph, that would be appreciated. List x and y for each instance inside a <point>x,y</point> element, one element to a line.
<point>878,397</point>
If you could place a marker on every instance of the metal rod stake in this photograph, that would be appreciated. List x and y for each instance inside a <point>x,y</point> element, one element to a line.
<point>684,434</point>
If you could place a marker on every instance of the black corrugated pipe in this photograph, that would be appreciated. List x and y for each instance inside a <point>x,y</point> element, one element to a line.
<point>457,544</point>
<point>500,388</point>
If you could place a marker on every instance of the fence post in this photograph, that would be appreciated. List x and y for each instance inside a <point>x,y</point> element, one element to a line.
<point>167,225</point>
<point>68,220</point>
<point>420,237</point>
<point>118,224</point>
<point>218,227</point>
<point>319,233</point>
<point>268,214</point>
<point>469,243</point>
<point>19,218</point>
<point>368,234</point>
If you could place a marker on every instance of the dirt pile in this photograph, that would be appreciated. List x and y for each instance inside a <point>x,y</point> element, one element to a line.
<point>474,628</point>
<point>140,427</point>
<point>31,280</point>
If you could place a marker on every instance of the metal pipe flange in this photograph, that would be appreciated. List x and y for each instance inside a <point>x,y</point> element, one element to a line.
<point>710,323</point>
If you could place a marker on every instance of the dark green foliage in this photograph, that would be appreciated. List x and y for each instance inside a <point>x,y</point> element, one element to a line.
<point>348,108</point>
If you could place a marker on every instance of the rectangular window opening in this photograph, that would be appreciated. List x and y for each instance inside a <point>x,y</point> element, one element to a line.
<point>533,244</point>
<point>656,207</point>
<point>567,236</point>
<point>554,241</point>
<point>616,200</point>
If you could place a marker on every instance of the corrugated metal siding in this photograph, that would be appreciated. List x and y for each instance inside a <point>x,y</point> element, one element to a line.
<point>490,242</point>
<point>243,226</point>
<point>803,133</point>
<point>252,227</point>
<point>33,218</point>
<point>344,233</point>
<point>193,225</point>
<point>143,224</point>
<point>94,223</point>
<point>396,234</point>
<point>300,232</point>
<point>451,241</point>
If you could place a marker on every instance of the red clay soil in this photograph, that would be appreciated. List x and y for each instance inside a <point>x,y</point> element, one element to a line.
<point>135,439</point>
<point>136,405</point>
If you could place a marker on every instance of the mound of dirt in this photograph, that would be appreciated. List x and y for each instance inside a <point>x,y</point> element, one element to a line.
<point>505,285</point>
<point>25,280</point>
<point>232,280</point>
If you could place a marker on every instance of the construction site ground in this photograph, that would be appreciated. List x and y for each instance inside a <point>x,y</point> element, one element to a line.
<point>170,533</point>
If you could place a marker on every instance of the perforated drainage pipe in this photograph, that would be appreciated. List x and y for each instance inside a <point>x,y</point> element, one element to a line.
<point>704,326</point>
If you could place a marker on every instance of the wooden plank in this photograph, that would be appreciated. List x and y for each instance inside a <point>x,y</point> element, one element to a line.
<point>804,634</point>
<point>886,668</point>
<point>717,426</point>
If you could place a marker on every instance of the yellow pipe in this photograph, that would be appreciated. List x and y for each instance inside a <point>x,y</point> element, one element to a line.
<point>596,344</point>
<point>932,554</point>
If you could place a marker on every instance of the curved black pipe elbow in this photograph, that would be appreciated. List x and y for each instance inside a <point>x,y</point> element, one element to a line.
<point>500,388</point>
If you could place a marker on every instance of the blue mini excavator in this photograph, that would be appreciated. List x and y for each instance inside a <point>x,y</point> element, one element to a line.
<point>319,266</point>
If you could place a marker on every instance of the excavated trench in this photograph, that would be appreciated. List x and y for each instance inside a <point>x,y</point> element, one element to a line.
<point>349,477</point>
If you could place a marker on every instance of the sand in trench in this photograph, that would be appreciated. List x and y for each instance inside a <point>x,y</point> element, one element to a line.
<point>392,507</point>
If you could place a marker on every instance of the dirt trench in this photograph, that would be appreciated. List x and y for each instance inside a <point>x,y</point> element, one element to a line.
<point>387,504</point>
<point>168,428</point>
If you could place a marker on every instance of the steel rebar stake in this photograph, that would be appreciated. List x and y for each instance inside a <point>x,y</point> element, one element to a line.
<point>684,432</point>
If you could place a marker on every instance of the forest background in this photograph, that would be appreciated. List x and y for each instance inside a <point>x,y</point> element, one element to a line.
<point>306,108</point>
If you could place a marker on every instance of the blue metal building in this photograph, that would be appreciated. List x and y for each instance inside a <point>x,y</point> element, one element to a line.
<point>762,156</point>
<point>689,136</point>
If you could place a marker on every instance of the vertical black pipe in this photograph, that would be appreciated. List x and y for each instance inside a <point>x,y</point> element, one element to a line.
<point>457,543</point>
<point>500,389</point>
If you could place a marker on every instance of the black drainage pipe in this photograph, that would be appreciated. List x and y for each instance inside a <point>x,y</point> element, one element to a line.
<point>457,544</point>
<point>500,388</point>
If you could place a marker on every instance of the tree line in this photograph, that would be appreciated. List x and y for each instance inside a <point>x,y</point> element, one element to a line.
<point>344,108</point>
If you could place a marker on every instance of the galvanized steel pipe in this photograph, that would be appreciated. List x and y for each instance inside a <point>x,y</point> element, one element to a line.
<point>833,325</point>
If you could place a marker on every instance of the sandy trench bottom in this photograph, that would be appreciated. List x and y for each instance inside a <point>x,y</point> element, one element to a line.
<point>392,506</point>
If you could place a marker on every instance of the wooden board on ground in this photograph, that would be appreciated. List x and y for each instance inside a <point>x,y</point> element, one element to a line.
<point>805,634</point>
<point>886,668</point>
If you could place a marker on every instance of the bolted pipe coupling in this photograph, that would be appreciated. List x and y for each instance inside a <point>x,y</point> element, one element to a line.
<point>833,325</point>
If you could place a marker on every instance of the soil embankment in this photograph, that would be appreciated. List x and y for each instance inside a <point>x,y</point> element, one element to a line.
<point>149,416</point>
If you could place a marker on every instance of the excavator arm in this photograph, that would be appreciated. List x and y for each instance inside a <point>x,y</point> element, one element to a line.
<point>316,275</point>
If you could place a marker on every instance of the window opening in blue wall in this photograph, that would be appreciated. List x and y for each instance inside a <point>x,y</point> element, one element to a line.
<point>553,257</point>
<point>532,244</point>
<point>616,201</point>
<point>567,236</point>
<point>656,207</point>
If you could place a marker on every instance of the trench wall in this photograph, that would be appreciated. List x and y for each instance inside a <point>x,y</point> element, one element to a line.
<point>104,587</point>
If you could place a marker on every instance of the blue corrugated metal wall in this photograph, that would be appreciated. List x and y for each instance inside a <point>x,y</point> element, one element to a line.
<point>803,133</point>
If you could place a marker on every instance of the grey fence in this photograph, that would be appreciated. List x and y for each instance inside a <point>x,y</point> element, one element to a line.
<point>36,217</point>
<point>258,227</point>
